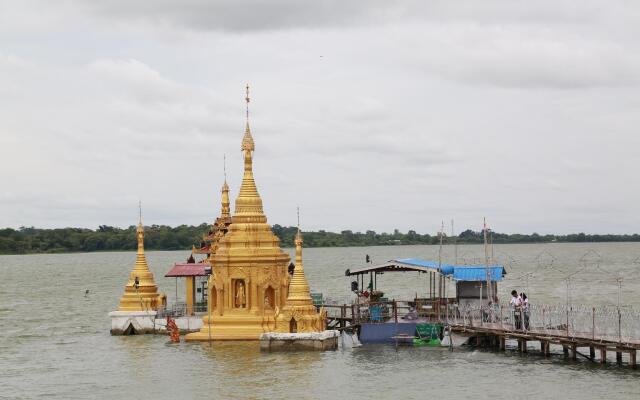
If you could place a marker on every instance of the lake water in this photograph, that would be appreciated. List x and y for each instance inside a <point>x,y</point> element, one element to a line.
<point>55,342</point>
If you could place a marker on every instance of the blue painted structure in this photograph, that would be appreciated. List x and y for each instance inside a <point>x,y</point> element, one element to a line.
<point>383,333</point>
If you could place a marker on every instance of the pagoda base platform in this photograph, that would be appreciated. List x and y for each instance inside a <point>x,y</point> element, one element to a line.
<point>234,326</point>
<point>133,322</point>
<point>315,341</point>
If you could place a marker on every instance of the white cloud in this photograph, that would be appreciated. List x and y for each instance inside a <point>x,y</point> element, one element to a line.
<point>394,115</point>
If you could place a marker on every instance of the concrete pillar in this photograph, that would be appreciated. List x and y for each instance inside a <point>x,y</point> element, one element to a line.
<point>190,292</point>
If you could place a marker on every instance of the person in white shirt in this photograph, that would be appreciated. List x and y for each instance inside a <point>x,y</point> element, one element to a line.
<point>516,303</point>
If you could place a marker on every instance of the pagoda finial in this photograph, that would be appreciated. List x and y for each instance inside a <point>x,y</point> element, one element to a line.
<point>247,99</point>
<point>248,202</point>
<point>226,209</point>
<point>298,240</point>
<point>247,140</point>
<point>224,166</point>
<point>140,232</point>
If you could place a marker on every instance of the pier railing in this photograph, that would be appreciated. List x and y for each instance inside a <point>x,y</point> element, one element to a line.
<point>605,323</point>
<point>180,309</point>
<point>613,324</point>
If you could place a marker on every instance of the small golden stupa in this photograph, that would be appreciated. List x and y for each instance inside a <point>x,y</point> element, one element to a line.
<point>141,292</point>
<point>299,313</point>
<point>250,282</point>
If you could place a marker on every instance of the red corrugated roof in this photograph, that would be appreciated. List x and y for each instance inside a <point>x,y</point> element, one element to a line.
<point>191,269</point>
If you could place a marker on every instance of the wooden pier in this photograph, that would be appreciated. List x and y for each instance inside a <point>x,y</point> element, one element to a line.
<point>589,333</point>
<point>596,349</point>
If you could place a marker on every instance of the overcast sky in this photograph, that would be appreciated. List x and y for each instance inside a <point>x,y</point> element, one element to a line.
<point>369,115</point>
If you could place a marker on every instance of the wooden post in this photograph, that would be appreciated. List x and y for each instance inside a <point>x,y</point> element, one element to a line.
<point>603,355</point>
<point>593,325</point>
<point>547,349</point>
<point>343,312</point>
<point>592,353</point>
<point>503,342</point>
<point>632,359</point>
<point>619,357</point>
<point>565,350</point>
<point>574,351</point>
<point>395,311</point>
<point>524,345</point>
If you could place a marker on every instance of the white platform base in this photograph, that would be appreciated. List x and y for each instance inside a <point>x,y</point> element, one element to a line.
<point>132,322</point>
<point>273,341</point>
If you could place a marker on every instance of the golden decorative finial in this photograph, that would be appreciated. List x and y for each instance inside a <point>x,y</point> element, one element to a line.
<point>140,212</point>
<point>224,165</point>
<point>248,202</point>
<point>247,140</point>
<point>247,100</point>
<point>298,240</point>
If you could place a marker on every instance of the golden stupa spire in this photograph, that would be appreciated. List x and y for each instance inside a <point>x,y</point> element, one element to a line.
<point>248,204</point>
<point>299,292</point>
<point>141,260</point>
<point>226,209</point>
<point>140,292</point>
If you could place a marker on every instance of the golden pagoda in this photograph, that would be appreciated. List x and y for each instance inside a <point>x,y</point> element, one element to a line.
<point>208,243</point>
<point>299,313</point>
<point>249,281</point>
<point>141,292</point>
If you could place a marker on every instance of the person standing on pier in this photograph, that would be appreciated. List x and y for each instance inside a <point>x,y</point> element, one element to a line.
<point>524,301</point>
<point>516,303</point>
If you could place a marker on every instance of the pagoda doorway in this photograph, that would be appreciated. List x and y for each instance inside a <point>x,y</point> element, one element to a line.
<point>269,298</point>
<point>293,326</point>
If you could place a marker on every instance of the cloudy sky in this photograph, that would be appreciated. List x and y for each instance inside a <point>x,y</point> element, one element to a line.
<point>369,115</point>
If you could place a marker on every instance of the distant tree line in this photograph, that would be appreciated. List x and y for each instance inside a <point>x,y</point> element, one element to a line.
<point>161,237</point>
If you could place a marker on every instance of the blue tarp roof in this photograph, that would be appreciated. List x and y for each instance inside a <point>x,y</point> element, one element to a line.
<point>459,272</point>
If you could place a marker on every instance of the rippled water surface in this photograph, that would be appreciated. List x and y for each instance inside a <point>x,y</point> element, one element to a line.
<point>55,342</point>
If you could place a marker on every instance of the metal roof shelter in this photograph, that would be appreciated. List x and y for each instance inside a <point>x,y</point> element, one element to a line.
<point>190,271</point>
<point>187,269</point>
<point>456,272</point>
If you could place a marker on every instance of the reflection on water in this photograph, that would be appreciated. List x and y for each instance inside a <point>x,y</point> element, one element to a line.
<point>56,343</point>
